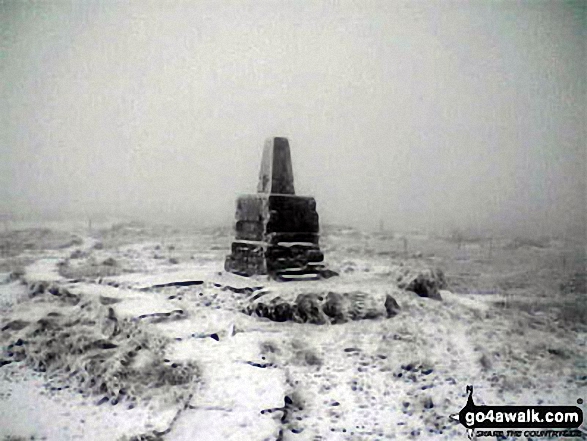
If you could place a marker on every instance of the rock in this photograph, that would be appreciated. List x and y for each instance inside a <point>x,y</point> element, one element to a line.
<point>334,307</point>
<point>109,262</point>
<point>282,312</point>
<point>327,273</point>
<point>309,310</point>
<point>391,306</point>
<point>15,325</point>
<point>37,288</point>
<point>362,305</point>
<point>262,310</point>
<point>426,283</point>
<point>278,310</point>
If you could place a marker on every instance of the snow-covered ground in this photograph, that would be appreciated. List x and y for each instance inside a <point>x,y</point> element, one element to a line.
<point>513,323</point>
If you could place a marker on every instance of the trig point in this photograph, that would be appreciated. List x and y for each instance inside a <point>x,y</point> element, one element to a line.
<point>277,231</point>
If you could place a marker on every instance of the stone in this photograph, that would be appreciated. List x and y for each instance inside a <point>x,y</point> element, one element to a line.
<point>37,288</point>
<point>391,306</point>
<point>328,308</point>
<point>282,312</point>
<point>309,310</point>
<point>247,258</point>
<point>15,325</point>
<point>426,283</point>
<point>262,310</point>
<point>277,310</point>
<point>334,307</point>
<point>362,305</point>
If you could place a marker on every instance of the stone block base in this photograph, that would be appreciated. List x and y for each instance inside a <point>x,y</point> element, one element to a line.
<point>284,258</point>
<point>278,235</point>
<point>261,215</point>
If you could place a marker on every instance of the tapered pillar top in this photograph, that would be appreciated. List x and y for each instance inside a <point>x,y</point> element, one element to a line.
<point>276,175</point>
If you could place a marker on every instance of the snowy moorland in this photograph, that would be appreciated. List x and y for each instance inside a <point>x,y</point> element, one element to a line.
<point>134,332</point>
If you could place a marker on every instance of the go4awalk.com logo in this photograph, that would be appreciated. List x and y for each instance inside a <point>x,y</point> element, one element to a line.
<point>513,421</point>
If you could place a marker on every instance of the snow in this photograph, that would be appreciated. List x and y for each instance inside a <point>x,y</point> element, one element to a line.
<point>211,274</point>
<point>234,392</point>
<point>44,270</point>
<point>361,380</point>
<point>11,294</point>
<point>29,409</point>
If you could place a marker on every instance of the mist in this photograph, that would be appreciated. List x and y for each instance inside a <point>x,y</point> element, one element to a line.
<point>408,115</point>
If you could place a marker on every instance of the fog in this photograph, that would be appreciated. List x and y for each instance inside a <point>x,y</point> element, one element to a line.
<point>403,115</point>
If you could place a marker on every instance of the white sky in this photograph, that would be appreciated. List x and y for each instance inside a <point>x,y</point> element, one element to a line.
<point>422,114</point>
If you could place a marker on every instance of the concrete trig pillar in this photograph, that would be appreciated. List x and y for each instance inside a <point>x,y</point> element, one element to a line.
<point>277,232</point>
